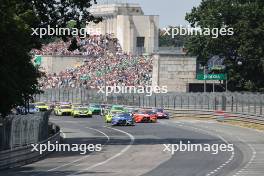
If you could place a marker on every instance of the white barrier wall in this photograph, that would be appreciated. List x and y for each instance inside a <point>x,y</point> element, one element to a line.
<point>56,64</point>
<point>175,71</point>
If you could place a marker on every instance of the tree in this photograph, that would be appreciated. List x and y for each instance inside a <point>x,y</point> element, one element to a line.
<point>17,18</point>
<point>168,41</point>
<point>244,51</point>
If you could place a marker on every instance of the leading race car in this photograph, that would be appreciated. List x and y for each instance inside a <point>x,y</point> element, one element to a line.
<point>122,119</point>
<point>81,112</point>
<point>33,108</point>
<point>42,106</point>
<point>145,116</point>
<point>161,114</point>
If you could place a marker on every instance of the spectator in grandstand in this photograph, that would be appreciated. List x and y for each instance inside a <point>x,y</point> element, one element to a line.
<point>103,66</point>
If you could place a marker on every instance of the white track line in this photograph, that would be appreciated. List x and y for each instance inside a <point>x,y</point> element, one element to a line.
<point>80,159</point>
<point>132,139</point>
<point>200,130</point>
<point>63,134</point>
<point>254,153</point>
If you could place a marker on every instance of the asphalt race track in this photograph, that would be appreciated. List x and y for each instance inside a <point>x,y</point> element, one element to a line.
<point>138,150</point>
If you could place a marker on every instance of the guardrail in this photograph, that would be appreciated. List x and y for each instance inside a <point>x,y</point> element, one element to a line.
<point>225,115</point>
<point>213,114</point>
<point>24,155</point>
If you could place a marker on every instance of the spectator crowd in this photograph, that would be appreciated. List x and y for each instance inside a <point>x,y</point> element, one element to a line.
<point>104,64</point>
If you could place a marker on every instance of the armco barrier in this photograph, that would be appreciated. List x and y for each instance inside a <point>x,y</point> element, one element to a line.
<point>250,118</point>
<point>24,155</point>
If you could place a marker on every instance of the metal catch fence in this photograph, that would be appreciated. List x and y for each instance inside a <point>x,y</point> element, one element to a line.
<point>251,103</point>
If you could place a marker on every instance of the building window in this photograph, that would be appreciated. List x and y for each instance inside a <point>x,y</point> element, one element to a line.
<point>140,42</point>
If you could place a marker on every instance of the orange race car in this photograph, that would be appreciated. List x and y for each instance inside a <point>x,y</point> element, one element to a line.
<point>145,116</point>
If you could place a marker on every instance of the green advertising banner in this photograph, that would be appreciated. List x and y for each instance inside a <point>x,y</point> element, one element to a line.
<point>37,60</point>
<point>211,77</point>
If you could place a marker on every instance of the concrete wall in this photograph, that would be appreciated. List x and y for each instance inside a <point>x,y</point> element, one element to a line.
<point>175,71</point>
<point>56,64</point>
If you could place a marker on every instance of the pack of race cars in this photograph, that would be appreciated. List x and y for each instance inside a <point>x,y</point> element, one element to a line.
<point>114,114</point>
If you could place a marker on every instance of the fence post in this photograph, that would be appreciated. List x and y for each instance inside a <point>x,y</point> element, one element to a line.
<point>68,95</point>
<point>155,100</point>
<point>208,98</point>
<point>261,104</point>
<point>181,101</point>
<point>215,103</point>
<point>139,103</point>
<point>248,105</point>
<point>236,104</point>
<point>174,102</point>
<point>255,106</point>
<point>232,103</point>
<point>242,104</point>
<point>168,102</point>
<point>224,102</point>
<point>162,105</point>
<point>59,95</point>
<point>202,98</point>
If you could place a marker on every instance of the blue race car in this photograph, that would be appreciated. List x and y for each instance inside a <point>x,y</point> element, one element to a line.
<point>122,119</point>
<point>33,109</point>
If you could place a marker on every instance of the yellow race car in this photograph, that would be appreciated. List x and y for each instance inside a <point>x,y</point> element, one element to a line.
<point>109,115</point>
<point>81,112</point>
<point>42,106</point>
<point>63,110</point>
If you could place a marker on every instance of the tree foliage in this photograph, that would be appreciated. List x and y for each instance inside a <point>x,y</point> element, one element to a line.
<point>17,17</point>
<point>168,41</point>
<point>244,51</point>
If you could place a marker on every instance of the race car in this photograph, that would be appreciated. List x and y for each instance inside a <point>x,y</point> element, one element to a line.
<point>109,115</point>
<point>95,108</point>
<point>118,108</point>
<point>42,106</point>
<point>145,116</point>
<point>105,108</point>
<point>122,119</point>
<point>63,110</point>
<point>161,114</point>
<point>81,112</point>
<point>132,111</point>
<point>33,108</point>
<point>20,110</point>
<point>76,105</point>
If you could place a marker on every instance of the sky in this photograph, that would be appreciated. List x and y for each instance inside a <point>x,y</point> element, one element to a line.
<point>171,12</point>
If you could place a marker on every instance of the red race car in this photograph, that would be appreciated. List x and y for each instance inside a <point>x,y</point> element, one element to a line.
<point>161,114</point>
<point>145,116</point>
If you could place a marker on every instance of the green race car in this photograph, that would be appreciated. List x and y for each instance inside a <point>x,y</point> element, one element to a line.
<point>95,108</point>
<point>82,112</point>
<point>118,108</point>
